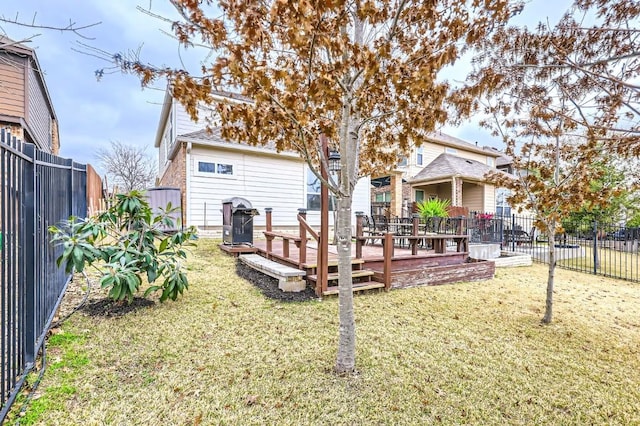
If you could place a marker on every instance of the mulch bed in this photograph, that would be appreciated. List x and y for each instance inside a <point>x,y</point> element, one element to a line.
<point>109,308</point>
<point>269,285</point>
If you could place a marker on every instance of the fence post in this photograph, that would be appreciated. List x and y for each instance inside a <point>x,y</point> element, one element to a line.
<point>513,227</point>
<point>69,163</point>
<point>29,253</point>
<point>595,247</point>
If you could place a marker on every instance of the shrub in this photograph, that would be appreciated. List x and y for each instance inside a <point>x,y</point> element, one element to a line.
<point>433,208</point>
<point>125,242</point>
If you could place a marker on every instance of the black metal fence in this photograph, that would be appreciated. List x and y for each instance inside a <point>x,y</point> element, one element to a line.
<point>596,247</point>
<point>38,190</point>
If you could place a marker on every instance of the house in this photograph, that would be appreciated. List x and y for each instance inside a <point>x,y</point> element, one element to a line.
<point>209,169</point>
<point>442,167</point>
<point>25,105</point>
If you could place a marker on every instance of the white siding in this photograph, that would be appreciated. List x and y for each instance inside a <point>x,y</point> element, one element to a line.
<point>183,121</point>
<point>265,180</point>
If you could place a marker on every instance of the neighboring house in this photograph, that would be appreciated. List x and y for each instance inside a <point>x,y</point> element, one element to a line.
<point>444,167</point>
<point>25,105</point>
<point>209,169</point>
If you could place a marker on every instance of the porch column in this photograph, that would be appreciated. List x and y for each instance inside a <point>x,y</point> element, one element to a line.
<point>396,194</point>
<point>456,191</point>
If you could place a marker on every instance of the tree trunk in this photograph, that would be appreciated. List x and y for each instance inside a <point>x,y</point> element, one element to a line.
<point>346,359</point>
<point>548,311</point>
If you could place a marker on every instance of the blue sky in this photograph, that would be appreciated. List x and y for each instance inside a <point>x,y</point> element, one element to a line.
<point>92,113</point>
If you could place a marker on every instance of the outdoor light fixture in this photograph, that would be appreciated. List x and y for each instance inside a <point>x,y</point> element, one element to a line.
<point>334,161</point>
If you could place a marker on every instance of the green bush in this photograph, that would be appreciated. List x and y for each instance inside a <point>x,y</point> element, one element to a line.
<point>433,208</point>
<point>125,242</point>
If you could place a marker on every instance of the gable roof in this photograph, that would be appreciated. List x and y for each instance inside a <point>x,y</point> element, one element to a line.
<point>449,165</point>
<point>16,48</point>
<point>169,102</point>
<point>213,138</point>
<point>453,142</point>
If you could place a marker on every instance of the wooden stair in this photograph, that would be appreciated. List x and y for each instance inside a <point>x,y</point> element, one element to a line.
<point>356,287</point>
<point>362,278</point>
<point>333,276</point>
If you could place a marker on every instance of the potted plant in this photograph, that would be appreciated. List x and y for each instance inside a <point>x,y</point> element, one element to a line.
<point>432,211</point>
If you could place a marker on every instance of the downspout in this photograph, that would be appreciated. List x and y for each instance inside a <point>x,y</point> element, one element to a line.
<point>187,190</point>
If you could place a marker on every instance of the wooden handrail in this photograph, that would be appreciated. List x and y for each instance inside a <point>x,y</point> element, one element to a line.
<point>283,235</point>
<point>306,226</point>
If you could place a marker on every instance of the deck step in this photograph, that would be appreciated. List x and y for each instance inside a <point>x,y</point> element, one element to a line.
<point>333,262</point>
<point>334,275</point>
<point>356,287</point>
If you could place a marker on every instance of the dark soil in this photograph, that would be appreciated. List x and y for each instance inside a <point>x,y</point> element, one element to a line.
<point>269,285</point>
<point>109,308</point>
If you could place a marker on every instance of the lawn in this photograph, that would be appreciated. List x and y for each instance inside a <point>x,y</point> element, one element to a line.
<point>465,353</point>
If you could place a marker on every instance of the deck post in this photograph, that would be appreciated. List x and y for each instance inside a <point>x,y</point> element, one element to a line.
<point>414,232</point>
<point>387,254</point>
<point>268,211</point>
<point>303,238</point>
<point>323,236</point>
<point>359,218</point>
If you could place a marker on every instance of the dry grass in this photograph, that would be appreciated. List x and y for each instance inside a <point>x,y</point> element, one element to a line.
<point>465,353</point>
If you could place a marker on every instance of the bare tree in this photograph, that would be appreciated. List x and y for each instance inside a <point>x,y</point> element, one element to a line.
<point>128,167</point>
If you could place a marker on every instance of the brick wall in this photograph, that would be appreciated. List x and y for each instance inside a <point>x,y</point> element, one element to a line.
<point>175,176</point>
<point>55,138</point>
<point>15,129</point>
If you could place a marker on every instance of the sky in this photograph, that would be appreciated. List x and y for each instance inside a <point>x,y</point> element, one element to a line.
<point>93,113</point>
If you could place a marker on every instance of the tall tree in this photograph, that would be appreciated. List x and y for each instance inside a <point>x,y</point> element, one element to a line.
<point>362,73</point>
<point>128,167</point>
<point>558,96</point>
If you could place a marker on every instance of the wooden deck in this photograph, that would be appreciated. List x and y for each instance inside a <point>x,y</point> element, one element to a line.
<point>396,261</point>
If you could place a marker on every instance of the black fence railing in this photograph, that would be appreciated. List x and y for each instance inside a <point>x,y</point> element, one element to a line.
<point>37,190</point>
<point>596,247</point>
<point>480,228</point>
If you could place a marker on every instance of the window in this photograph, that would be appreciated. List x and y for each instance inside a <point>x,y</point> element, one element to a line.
<point>403,161</point>
<point>419,195</point>
<point>450,150</point>
<point>419,157</point>
<point>225,169</point>
<point>383,197</point>
<point>502,205</point>
<point>490,161</point>
<point>213,168</point>
<point>313,193</point>
<point>206,167</point>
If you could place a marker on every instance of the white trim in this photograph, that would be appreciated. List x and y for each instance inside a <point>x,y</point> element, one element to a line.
<point>233,146</point>
<point>187,204</point>
<point>215,175</point>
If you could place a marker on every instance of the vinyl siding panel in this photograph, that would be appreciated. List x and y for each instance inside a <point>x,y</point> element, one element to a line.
<point>183,121</point>
<point>489,198</point>
<point>39,113</point>
<point>431,151</point>
<point>12,85</point>
<point>264,180</point>
<point>473,196</point>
